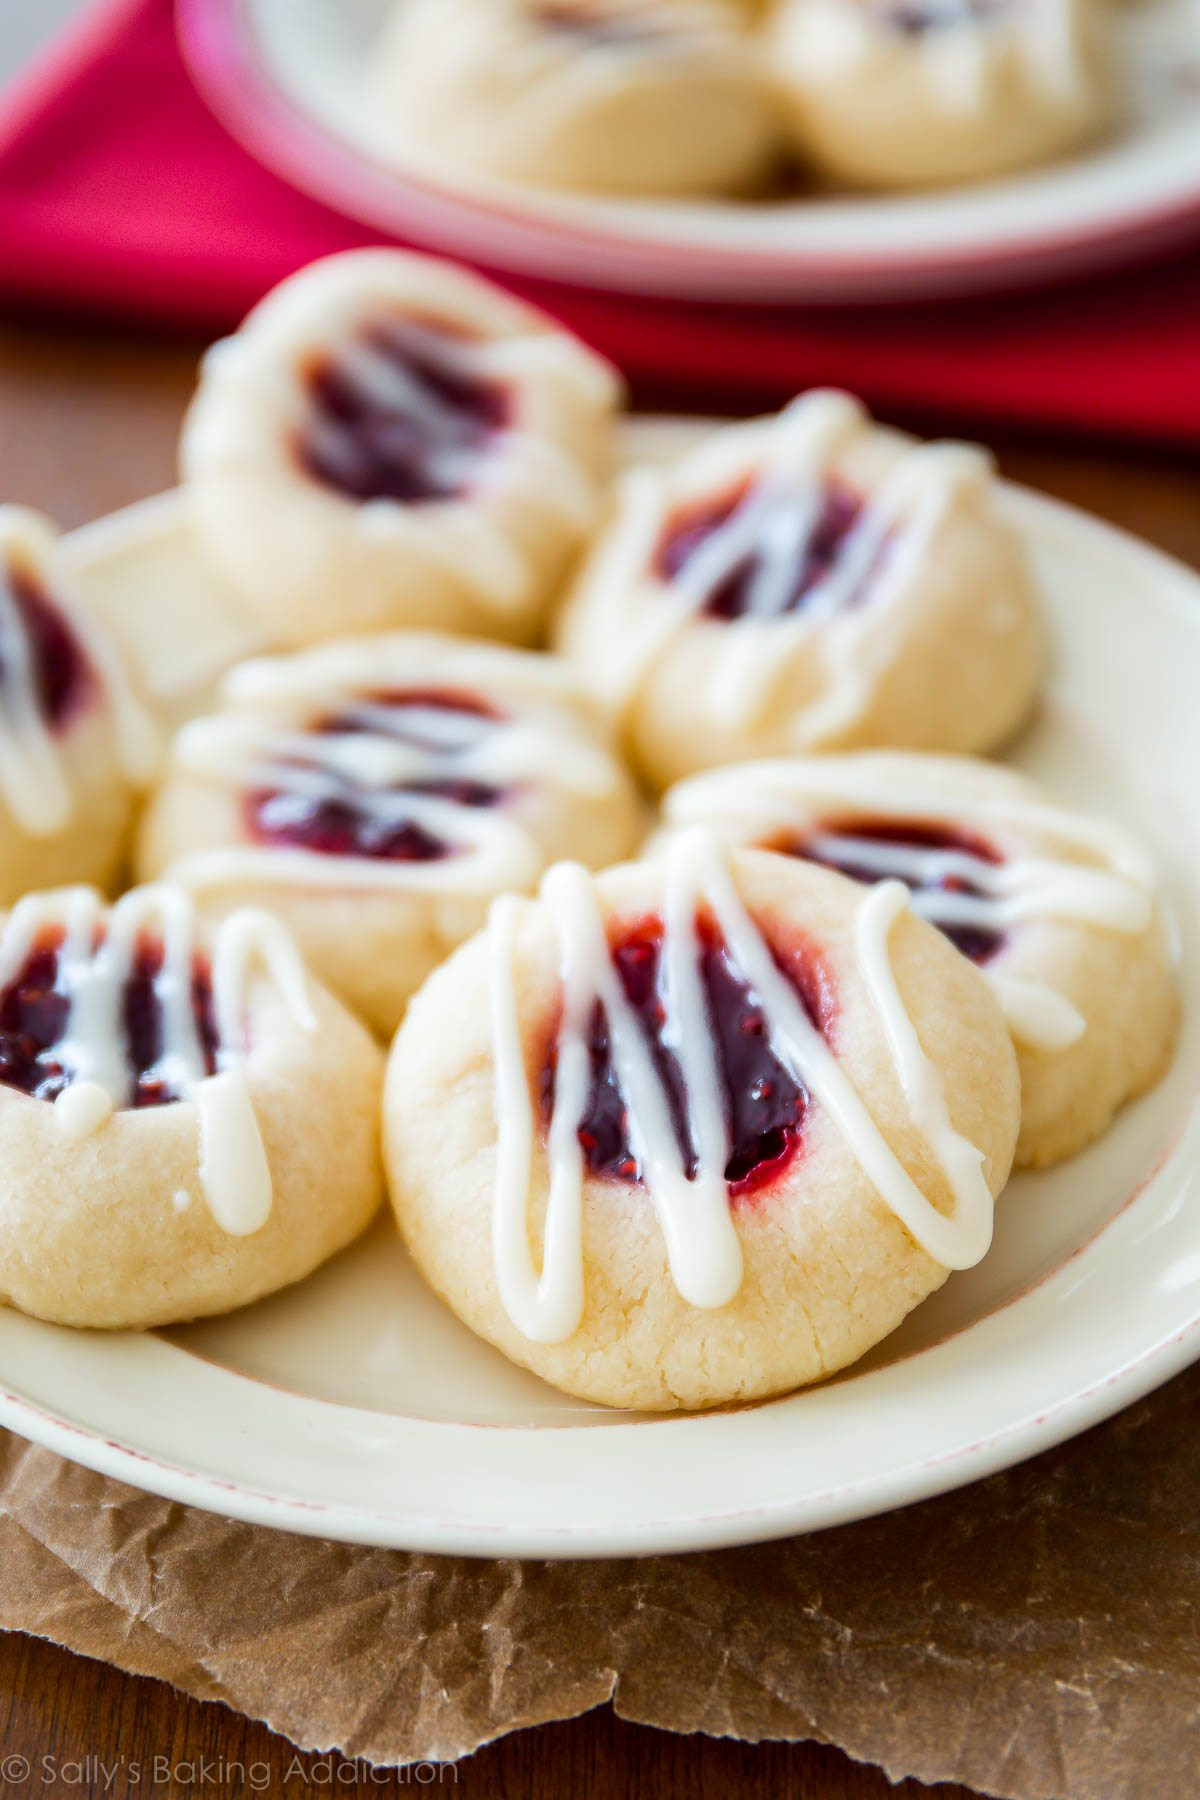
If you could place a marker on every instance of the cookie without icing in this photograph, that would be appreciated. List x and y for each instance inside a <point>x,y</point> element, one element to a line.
<point>810,581</point>
<point>390,441</point>
<point>1058,910</point>
<point>187,1122</point>
<point>618,96</point>
<point>914,93</point>
<point>75,740</point>
<point>378,793</point>
<point>699,1129</point>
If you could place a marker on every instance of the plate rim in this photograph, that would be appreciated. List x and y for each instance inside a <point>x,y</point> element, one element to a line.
<point>1030,1431</point>
<point>219,47</point>
<point>731,1528</point>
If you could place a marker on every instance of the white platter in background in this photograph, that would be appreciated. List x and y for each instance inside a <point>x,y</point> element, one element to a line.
<point>354,1406</point>
<point>286,77</point>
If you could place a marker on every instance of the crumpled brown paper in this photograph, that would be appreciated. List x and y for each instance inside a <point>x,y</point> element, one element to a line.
<point>1037,1634</point>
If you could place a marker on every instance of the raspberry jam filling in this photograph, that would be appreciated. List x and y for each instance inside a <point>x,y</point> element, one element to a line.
<point>344,817</point>
<point>916,18</point>
<point>401,416</point>
<point>765,1105</point>
<point>976,942</point>
<point>34,1010</point>
<point>808,555</point>
<point>596,27</point>
<point>61,676</point>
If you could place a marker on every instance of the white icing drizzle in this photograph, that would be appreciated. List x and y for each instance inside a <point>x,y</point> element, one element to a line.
<point>82,1109</point>
<point>963,47</point>
<point>559,69</point>
<point>96,959</point>
<point>1027,887</point>
<point>453,456</point>
<point>775,523</point>
<point>255,397</point>
<point>1037,1016</point>
<point>514,457</point>
<point>1114,892</point>
<point>547,1308</point>
<point>960,1240</point>
<point>270,749</point>
<point>1055,54</point>
<point>702,1244</point>
<point>777,519</point>
<point>33,776</point>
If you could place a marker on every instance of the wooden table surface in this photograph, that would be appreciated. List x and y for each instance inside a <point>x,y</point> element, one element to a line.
<point>87,423</point>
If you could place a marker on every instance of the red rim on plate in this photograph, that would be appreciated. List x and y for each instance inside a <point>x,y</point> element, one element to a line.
<point>218,42</point>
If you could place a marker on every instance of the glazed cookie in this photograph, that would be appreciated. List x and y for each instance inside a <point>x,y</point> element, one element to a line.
<point>699,1129</point>
<point>186,1122</point>
<point>808,582</point>
<point>623,96</point>
<point>377,794</point>
<point>391,441</point>
<point>1057,909</point>
<point>908,93</point>
<point>75,742</point>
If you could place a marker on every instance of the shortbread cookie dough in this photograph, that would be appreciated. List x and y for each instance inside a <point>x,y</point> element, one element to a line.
<point>913,93</point>
<point>376,794</point>
<point>187,1122</point>
<point>640,97</point>
<point>807,582</point>
<point>391,441</point>
<point>76,742</point>
<point>1058,909</point>
<point>698,1129</point>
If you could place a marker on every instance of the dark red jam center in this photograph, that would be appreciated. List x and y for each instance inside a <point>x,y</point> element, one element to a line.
<point>349,821</point>
<point>972,940</point>
<point>401,418</point>
<point>765,1104</point>
<point>600,28</point>
<point>34,1015</point>
<point>916,18</point>
<point>729,597</point>
<point>61,675</point>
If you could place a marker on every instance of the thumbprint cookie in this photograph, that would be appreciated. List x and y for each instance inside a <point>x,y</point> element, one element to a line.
<point>75,740</point>
<point>186,1121</point>
<point>391,441</point>
<point>699,1129</point>
<point>378,793</point>
<point>810,581</point>
<point>620,96</point>
<point>910,93</point>
<point>1058,910</point>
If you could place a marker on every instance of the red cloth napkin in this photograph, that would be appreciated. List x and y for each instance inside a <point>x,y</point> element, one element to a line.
<point>121,194</point>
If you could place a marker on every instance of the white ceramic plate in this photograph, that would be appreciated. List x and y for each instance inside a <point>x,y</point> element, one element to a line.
<point>286,76</point>
<point>355,1407</point>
